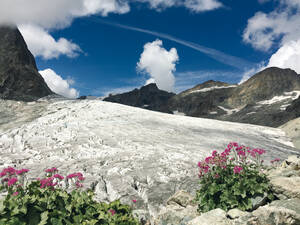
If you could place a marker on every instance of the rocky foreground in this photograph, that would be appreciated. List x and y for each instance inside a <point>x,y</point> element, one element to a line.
<point>285,180</point>
<point>125,152</point>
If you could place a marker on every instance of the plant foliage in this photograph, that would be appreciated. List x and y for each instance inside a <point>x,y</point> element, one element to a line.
<point>44,202</point>
<point>231,179</point>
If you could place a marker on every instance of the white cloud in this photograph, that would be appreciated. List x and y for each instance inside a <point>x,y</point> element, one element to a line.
<point>41,17</point>
<point>58,85</point>
<point>36,18</point>
<point>42,44</point>
<point>265,29</point>
<point>159,64</point>
<point>288,56</point>
<point>56,13</point>
<point>193,5</point>
<point>202,5</point>
<point>279,28</point>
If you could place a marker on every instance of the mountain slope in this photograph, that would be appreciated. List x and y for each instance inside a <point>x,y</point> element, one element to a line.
<point>265,99</point>
<point>19,77</point>
<point>147,97</point>
<point>127,152</point>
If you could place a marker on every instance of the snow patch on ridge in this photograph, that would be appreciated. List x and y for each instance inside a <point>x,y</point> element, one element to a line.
<point>230,111</point>
<point>286,96</point>
<point>212,88</point>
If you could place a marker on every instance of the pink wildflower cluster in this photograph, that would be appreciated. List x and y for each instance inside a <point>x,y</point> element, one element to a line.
<point>275,160</point>
<point>240,153</point>
<point>22,171</point>
<point>113,212</point>
<point>51,170</point>
<point>215,159</point>
<point>237,169</point>
<point>78,177</point>
<point>9,176</point>
<point>48,182</point>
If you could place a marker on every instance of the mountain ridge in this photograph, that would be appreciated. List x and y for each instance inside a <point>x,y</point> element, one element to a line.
<point>264,99</point>
<point>19,77</point>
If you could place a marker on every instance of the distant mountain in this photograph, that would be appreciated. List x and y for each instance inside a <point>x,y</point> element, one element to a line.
<point>262,100</point>
<point>147,97</point>
<point>202,100</point>
<point>269,98</point>
<point>19,77</point>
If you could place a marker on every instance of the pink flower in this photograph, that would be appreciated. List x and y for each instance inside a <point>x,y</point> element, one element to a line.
<point>15,193</point>
<point>237,169</point>
<point>214,153</point>
<point>241,153</point>
<point>72,175</point>
<point>12,181</point>
<point>208,160</point>
<point>52,170</point>
<point>22,171</point>
<point>2,174</point>
<point>58,176</point>
<point>78,184</point>
<point>134,200</point>
<point>9,171</point>
<point>217,176</point>
<point>47,182</point>
<point>113,212</point>
<point>275,160</point>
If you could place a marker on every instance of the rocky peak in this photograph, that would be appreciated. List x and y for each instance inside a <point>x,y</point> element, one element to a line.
<point>149,87</point>
<point>19,77</point>
<point>266,84</point>
<point>147,97</point>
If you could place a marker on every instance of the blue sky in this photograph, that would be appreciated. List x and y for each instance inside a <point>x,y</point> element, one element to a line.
<point>105,47</point>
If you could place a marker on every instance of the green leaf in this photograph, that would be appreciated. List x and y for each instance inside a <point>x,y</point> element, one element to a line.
<point>2,206</point>
<point>44,218</point>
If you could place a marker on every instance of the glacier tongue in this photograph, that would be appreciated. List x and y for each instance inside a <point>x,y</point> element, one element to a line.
<point>127,152</point>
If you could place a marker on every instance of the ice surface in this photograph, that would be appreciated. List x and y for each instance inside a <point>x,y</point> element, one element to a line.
<point>126,152</point>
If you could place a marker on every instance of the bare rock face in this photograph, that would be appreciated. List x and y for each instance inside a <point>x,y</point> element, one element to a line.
<point>284,178</point>
<point>19,77</point>
<point>269,98</point>
<point>147,97</point>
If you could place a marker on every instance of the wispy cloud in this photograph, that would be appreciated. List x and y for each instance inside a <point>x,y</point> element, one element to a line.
<point>222,57</point>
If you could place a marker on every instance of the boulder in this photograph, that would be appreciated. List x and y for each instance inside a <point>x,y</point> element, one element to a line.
<point>283,212</point>
<point>213,217</point>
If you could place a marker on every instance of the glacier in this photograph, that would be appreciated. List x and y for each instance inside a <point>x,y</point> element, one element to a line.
<point>124,152</point>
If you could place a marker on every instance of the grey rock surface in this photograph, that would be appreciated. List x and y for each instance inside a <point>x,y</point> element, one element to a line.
<point>285,212</point>
<point>213,217</point>
<point>125,152</point>
<point>19,77</point>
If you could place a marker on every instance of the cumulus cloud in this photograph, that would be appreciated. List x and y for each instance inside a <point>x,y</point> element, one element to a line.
<point>288,56</point>
<point>42,17</point>
<point>159,64</point>
<point>37,18</point>
<point>58,85</point>
<point>56,13</point>
<point>265,29</point>
<point>278,29</point>
<point>42,44</point>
